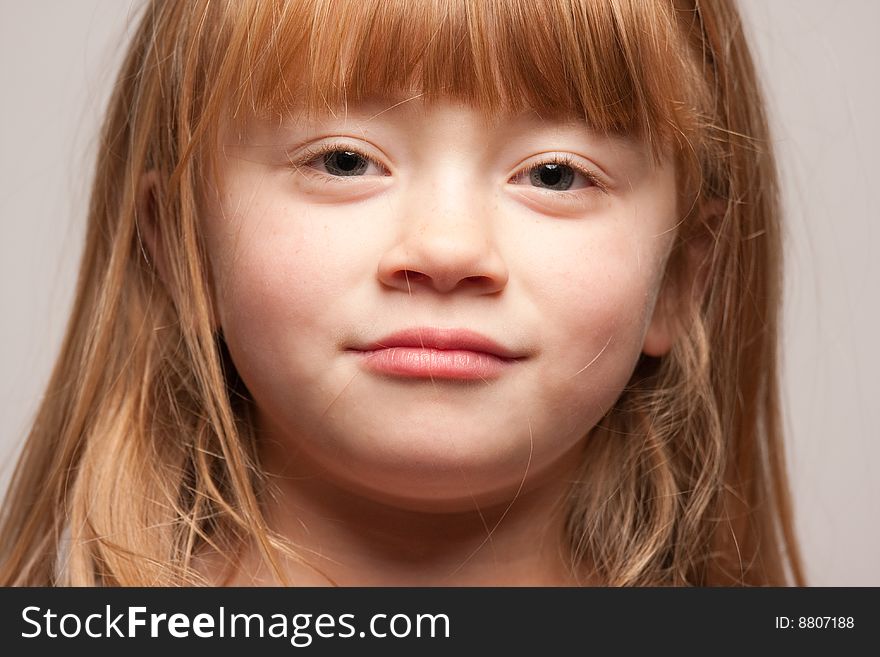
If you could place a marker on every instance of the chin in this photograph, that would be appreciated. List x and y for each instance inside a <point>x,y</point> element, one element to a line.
<point>440,498</point>
<point>448,480</point>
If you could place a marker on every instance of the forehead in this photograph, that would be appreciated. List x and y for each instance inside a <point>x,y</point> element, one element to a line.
<point>613,67</point>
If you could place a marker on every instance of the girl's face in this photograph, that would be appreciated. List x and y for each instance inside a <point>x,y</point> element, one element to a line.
<point>329,235</point>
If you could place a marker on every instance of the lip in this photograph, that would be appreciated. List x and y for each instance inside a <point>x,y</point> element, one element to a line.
<point>438,353</point>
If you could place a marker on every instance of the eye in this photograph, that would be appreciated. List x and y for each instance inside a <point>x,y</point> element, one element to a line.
<point>331,161</point>
<point>558,177</point>
<point>559,174</point>
<point>344,163</point>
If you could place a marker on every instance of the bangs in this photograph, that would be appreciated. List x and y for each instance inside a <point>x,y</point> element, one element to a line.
<point>620,67</point>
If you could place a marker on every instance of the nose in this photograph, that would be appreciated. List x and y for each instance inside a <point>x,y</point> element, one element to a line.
<point>446,243</point>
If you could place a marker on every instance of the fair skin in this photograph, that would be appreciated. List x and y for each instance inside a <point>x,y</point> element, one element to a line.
<point>426,215</point>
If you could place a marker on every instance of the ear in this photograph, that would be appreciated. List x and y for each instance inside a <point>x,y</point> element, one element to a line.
<point>147,222</point>
<point>149,230</point>
<point>683,281</point>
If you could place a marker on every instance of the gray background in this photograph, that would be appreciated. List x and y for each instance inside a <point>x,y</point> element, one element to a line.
<point>820,62</point>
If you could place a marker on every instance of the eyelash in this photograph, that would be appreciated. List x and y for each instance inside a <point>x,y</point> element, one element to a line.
<point>313,153</point>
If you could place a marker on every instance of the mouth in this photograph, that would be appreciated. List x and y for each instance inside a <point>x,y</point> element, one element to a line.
<point>434,353</point>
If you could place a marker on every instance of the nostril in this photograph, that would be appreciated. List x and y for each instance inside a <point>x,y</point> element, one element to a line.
<point>413,276</point>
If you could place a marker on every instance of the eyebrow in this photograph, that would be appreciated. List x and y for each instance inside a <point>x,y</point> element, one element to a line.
<point>375,106</point>
<point>397,100</point>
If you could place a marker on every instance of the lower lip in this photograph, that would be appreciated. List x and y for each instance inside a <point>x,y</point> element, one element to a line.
<point>420,363</point>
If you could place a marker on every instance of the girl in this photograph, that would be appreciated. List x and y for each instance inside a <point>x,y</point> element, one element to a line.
<point>420,293</point>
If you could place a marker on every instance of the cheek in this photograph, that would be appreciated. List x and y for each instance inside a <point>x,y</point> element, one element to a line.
<point>596,304</point>
<point>278,271</point>
<point>260,277</point>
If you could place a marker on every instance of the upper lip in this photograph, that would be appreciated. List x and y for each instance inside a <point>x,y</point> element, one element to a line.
<point>444,339</point>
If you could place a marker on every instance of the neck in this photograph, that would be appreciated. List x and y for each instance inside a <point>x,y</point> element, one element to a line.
<point>348,539</point>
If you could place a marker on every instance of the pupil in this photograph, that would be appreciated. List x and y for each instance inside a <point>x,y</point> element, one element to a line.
<point>344,163</point>
<point>554,176</point>
<point>550,174</point>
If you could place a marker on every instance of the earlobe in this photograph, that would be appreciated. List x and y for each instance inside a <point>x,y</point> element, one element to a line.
<point>658,338</point>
